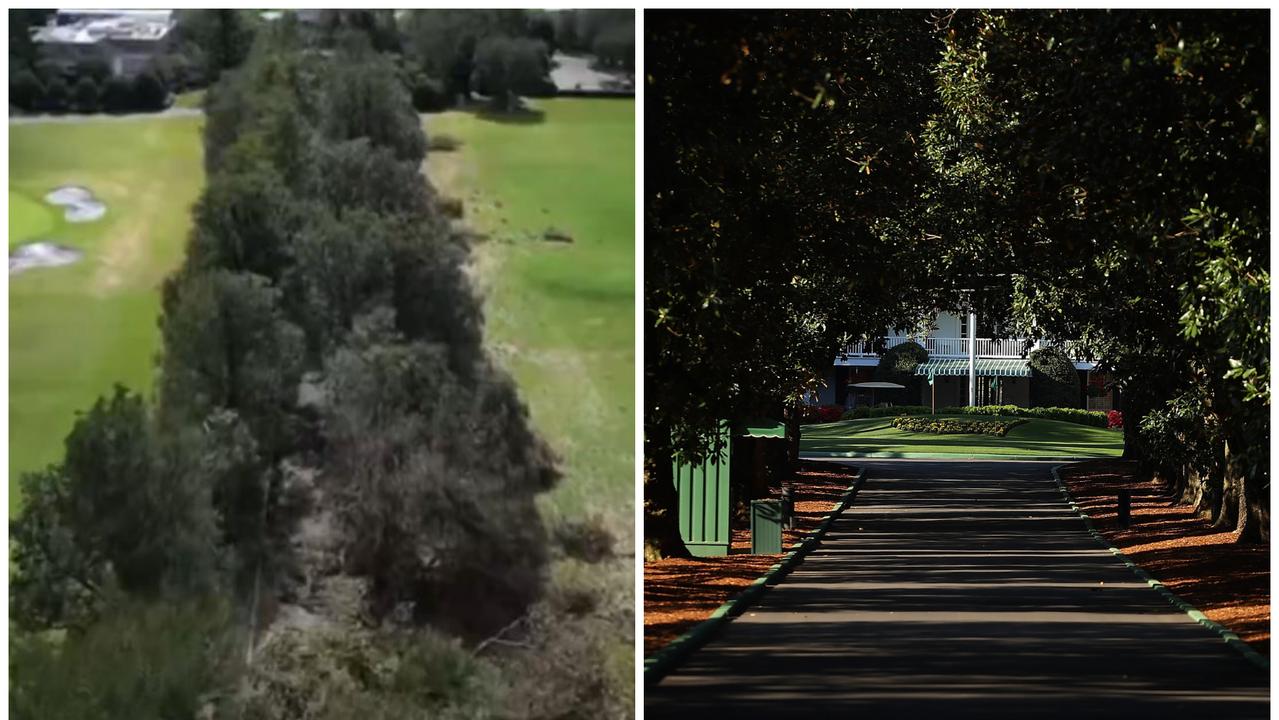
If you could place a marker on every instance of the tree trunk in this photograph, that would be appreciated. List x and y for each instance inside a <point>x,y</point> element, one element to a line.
<point>792,439</point>
<point>1252,520</point>
<point>1134,409</point>
<point>661,504</point>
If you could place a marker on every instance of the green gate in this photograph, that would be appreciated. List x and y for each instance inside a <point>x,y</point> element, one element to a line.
<point>704,502</point>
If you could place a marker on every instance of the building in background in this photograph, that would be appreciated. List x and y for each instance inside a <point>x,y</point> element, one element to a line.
<point>127,41</point>
<point>997,371</point>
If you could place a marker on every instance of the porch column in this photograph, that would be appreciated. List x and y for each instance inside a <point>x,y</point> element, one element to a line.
<point>972,359</point>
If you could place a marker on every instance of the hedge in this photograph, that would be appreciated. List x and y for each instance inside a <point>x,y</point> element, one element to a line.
<point>953,426</point>
<point>1095,418</point>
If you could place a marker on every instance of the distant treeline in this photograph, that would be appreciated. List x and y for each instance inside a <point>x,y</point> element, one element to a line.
<point>442,56</point>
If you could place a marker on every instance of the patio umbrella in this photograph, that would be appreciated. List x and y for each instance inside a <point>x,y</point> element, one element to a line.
<point>873,386</point>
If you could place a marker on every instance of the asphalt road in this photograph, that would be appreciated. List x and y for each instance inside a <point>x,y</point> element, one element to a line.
<point>961,589</point>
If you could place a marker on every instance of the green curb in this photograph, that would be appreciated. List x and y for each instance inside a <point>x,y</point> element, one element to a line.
<point>1226,634</point>
<point>661,663</point>
<point>949,456</point>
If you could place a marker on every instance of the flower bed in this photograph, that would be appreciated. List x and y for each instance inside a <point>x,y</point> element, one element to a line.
<point>954,426</point>
<point>1095,418</point>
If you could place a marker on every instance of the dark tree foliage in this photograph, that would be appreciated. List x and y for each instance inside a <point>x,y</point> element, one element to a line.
<point>117,95</point>
<point>356,175</point>
<point>1054,381</point>
<point>227,344</point>
<point>1101,169</point>
<point>22,51</point>
<point>117,512</point>
<point>25,89</point>
<point>149,93</point>
<point>1110,164</point>
<point>245,222</point>
<point>402,428</point>
<point>57,95</point>
<point>224,37</point>
<point>897,365</point>
<point>364,98</point>
<point>506,68</point>
<point>780,161</point>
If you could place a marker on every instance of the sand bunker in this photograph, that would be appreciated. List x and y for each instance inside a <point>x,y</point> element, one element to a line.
<point>41,254</point>
<point>79,203</point>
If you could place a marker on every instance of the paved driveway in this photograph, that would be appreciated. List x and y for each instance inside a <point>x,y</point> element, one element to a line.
<point>962,589</point>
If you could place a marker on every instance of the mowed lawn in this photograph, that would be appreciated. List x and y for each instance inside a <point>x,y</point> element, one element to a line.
<point>560,316</point>
<point>74,331</point>
<point>1036,437</point>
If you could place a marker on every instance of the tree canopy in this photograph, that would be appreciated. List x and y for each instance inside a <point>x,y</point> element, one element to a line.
<point>817,177</point>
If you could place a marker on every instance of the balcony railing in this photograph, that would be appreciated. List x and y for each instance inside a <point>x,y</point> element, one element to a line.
<point>952,347</point>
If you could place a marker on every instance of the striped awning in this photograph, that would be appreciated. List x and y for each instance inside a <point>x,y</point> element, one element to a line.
<point>761,428</point>
<point>985,367</point>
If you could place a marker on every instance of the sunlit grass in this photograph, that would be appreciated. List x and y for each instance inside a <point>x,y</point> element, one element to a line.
<point>76,330</point>
<point>1036,437</point>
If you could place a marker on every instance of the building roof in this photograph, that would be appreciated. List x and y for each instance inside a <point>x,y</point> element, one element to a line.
<point>88,27</point>
<point>985,367</point>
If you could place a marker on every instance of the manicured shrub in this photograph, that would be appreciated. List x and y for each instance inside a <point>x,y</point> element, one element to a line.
<point>857,413</point>
<point>821,413</point>
<point>149,93</point>
<point>954,426</point>
<point>25,89</point>
<point>117,95</point>
<point>1054,381</point>
<point>56,95</point>
<point>84,97</point>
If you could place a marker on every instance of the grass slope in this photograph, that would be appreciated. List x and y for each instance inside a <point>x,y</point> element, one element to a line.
<point>74,331</point>
<point>560,315</point>
<point>1036,437</point>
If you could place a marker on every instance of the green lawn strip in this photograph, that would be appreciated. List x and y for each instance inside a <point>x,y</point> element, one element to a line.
<point>663,661</point>
<point>190,99</point>
<point>1037,438</point>
<point>560,316</point>
<point>1227,635</point>
<point>74,331</point>
<point>29,218</point>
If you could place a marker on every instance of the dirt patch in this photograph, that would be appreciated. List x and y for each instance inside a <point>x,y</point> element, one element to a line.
<point>1229,582</point>
<point>680,593</point>
<point>41,254</point>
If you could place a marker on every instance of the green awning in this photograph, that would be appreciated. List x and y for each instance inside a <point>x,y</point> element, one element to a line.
<point>762,428</point>
<point>985,367</point>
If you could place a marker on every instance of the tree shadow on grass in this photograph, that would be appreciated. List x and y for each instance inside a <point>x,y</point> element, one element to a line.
<point>523,115</point>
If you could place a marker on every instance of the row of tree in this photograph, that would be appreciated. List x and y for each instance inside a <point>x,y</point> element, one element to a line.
<point>816,177</point>
<point>321,325</point>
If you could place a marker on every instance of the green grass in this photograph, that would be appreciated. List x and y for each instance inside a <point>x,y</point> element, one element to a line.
<point>29,219</point>
<point>1034,438</point>
<point>189,99</point>
<point>74,331</point>
<point>560,316</point>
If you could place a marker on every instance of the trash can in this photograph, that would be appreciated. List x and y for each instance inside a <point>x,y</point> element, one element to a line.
<point>766,527</point>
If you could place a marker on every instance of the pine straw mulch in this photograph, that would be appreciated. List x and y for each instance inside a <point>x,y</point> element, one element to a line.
<point>1230,583</point>
<point>680,593</point>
